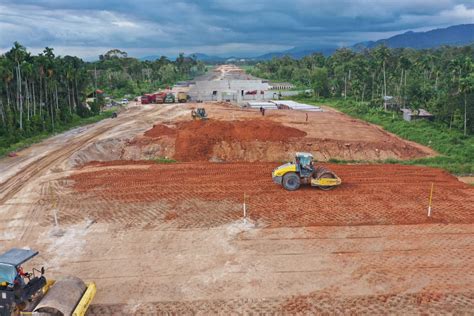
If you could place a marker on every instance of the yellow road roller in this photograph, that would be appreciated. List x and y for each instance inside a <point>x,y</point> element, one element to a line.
<point>30,293</point>
<point>303,171</point>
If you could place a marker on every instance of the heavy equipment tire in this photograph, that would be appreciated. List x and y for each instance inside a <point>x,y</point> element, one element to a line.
<point>291,181</point>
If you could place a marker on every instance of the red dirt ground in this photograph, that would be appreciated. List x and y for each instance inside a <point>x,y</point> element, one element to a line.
<point>235,135</point>
<point>195,139</point>
<point>159,130</point>
<point>314,304</point>
<point>211,194</point>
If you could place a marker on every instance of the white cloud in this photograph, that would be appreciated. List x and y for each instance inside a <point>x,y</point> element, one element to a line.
<point>459,14</point>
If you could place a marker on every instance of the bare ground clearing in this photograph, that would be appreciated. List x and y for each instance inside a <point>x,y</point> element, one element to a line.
<point>170,238</point>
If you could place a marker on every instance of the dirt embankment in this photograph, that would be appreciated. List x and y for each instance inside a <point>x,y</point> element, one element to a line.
<point>160,130</point>
<point>196,140</point>
<point>203,140</point>
<point>209,194</point>
<point>261,140</point>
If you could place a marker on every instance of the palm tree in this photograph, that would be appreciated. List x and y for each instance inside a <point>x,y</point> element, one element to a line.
<point>405,65</point>
<point>18,54</point>
<point>467,86</point>
<point>382,54</point>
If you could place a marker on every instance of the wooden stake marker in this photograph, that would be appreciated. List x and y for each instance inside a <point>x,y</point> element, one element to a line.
<point>431,199</point>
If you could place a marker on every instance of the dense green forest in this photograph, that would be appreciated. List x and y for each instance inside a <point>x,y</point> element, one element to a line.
<point>46,93</point>
<point>119,74</point>
<point>439,80</point>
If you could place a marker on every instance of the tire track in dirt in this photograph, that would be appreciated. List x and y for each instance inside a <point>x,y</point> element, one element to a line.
<point>13,185</point>
<point>211,194</point>
<point>37,168</point>
<point>426,302</point>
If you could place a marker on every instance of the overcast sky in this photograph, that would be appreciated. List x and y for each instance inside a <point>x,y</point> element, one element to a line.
<point>88,28</point>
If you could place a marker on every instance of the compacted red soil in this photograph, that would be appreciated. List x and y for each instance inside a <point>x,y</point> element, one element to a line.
<point>210,194</point>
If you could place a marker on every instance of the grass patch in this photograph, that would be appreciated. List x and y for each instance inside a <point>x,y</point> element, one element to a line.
<point>456,150</point>
<point>76,122</point>
<point>344,161</point>
<point>163,160</point>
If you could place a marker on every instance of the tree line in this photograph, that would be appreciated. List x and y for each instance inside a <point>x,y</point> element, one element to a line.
<point>440,80</point>
<point>119,74</point>
<point>39,93</point>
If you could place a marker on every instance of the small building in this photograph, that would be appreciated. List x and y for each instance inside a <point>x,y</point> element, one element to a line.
<point>281,86</point>
<point>420,114</point>
<point>391,103</point>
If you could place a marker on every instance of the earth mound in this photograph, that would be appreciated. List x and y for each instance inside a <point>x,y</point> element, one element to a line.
<point>195,140</point>
<point>159,130</point>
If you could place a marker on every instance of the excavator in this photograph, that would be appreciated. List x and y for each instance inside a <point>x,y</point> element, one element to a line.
<point>25,293</point>
<point>199,113</point>
<point>303,171</point>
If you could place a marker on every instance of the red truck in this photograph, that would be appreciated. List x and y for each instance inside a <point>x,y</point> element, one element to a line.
<point>147,99</point>
<point>153,98</point>
<point>160,97</point>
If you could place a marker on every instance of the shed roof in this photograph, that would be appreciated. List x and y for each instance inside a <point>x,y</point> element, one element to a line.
<point>16,256</point>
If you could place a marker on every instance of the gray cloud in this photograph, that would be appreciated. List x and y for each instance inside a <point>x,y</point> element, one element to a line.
<point>244,27</point>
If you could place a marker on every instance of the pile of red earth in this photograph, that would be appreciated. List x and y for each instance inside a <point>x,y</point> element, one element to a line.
<point>206,194</point>
<point>195,139</point>
<point>160,130</point>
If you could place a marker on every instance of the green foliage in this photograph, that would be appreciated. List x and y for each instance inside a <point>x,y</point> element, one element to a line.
<point>319,79</point>
<point>163,160</point>
<point>76,121</point>
<point>44,94</point>
<point>120,75</point>
<point>98,104</point>
<point>344,161</point>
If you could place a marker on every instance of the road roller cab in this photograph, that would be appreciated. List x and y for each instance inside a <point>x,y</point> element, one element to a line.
<point>16,286</point>
<point>303,171</point>
<point>23,293</point>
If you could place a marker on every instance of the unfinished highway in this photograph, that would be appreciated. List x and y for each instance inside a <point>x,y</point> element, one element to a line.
<point>177,229</point>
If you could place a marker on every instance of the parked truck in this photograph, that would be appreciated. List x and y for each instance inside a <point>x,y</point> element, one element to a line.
<point>169,98</point>
<point>182,97</point>
<point>148,99</point>
<point>160,97</point>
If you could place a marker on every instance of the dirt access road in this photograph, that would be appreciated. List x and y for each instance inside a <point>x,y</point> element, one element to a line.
<point>160,238</point>
<point>22,177</point>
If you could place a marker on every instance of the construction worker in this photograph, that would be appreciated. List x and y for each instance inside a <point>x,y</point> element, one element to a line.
<point>307,167</point>
<point>20,275</point>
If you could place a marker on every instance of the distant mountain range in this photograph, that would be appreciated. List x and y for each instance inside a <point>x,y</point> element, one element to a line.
<point>457,35</point>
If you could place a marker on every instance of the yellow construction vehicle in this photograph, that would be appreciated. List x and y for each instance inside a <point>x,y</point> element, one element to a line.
<point>23,293</point>
<point>182,97</point>
<point>303,171</point>
<point>199,114</point>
